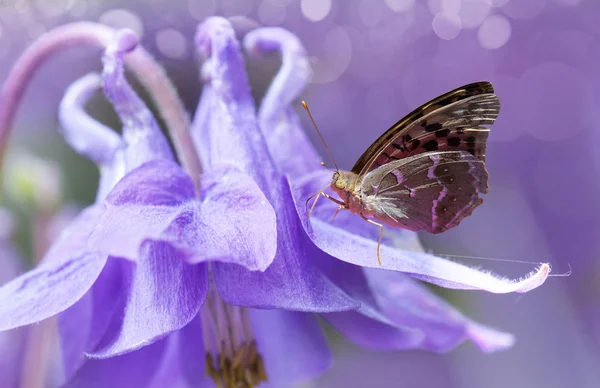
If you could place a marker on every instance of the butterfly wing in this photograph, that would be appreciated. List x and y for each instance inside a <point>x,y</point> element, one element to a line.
<point>431,191</point>
<point>453,121</point>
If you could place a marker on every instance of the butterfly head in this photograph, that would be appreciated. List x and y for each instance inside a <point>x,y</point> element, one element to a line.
<point>341,183</point>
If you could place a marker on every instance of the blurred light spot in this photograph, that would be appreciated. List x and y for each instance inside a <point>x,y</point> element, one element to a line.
<point>271,12</point>
<point>524,10</point>
<point>446,26</point>
<point>497,3</point>
<point>121,18</point>
<point>201,9</point>
<point>171,43</point>
<point>447,6</point>
<point>370,12</point>
<point>235,7</point>
<point>494,32</point>
<point>568,2</point>
<point>451,6</point>
<point>315,10</point>
<point>505,224</point>
<point>53,8</point>
<point>473,12</point>
<point>79,8</point>
<point>400,5</point>
<point>335,58</point>
<point>555,101</point>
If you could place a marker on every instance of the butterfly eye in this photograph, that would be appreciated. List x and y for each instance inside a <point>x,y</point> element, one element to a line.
<point>340,184</point>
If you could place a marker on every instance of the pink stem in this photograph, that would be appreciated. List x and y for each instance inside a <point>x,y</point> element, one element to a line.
<point>147,70</point>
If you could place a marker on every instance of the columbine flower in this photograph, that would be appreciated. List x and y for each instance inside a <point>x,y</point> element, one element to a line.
<point>162,242</point>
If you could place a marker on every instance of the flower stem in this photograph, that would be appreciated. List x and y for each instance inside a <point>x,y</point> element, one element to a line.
<point>146,69</point>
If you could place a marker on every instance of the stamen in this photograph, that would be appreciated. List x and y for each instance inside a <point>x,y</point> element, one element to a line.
<point>235,362</point>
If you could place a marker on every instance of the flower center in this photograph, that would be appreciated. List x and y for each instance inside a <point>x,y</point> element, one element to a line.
<point>232,358</point>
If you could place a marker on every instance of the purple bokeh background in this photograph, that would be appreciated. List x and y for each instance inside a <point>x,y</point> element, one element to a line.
<point>374,61</point>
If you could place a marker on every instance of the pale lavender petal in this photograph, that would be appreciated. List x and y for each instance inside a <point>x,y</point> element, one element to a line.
<point>90,137</point>
<point>84,134</point>
<point>165,294</point>
<point>230,135</point>
<point>169,373</point>
<point>141,132</point>
<point>135,369</point>
<point>361,251</point>
<point>292,345</point>
<point>287,142</point>
<point>156,203</point>
<point>373,334</point>
<point>409,303</point>
<point>238,224</point>
<point>292,281</point>
<point>66,273</point>
<point>141,207</point>
<point>83,325</point>
<point>368,326</point>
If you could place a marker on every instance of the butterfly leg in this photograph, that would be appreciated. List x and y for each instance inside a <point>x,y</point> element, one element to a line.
<point>329,197</point>
<point>380,235</point>
<point>341,207</point>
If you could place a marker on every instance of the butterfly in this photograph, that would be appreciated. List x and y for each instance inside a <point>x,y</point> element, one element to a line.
<point>427,171</point>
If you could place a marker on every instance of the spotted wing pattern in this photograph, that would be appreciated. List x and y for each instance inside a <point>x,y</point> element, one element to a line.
<point>431,191</point>
<point>455,121</point>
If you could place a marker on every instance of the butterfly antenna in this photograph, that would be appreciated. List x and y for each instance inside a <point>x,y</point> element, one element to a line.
<point>305,106</point>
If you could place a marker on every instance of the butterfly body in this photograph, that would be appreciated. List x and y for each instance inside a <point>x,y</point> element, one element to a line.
<point>426,172</point>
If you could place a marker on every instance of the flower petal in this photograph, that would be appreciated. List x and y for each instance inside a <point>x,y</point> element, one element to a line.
<point>406,302</point>
<point>83,325</point>
<point>292,281</point>
<point>84,134</point>
<point>135,369</point>
<point>165,294</point>
<point>141,207</point>
<point>231,135</point>
<point>192,354</point>
<point>156,203</point>
<point>35,296</point>
<point>145,141</point>
<point>169,372</point>
<point>292,345</point>
<point>361,251</point>
<point>237,225</point>
<point>373,334</point>
<point>89,137</point>
<point>279,123</point>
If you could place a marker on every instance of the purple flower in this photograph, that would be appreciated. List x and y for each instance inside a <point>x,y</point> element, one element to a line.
<point>173,271</point>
